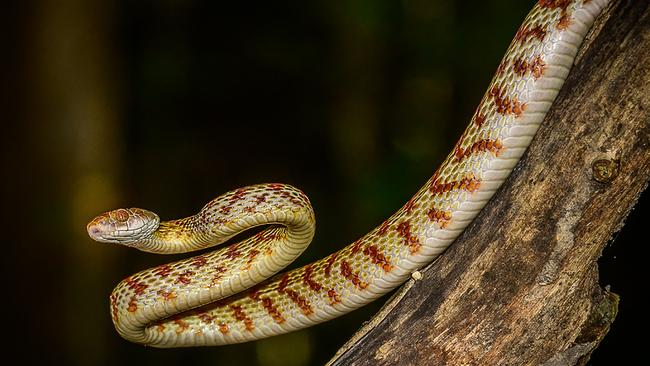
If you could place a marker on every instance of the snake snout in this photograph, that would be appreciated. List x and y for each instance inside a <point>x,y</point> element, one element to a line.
<point>98,227</point>
<point>94,232</point>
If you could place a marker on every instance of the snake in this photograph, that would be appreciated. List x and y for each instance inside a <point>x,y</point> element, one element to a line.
<point>236,293</point>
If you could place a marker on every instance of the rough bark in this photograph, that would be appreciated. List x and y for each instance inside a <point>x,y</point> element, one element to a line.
<point>520,286</point>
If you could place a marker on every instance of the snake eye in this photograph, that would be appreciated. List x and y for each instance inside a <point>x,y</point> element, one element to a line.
<point>121,215</point>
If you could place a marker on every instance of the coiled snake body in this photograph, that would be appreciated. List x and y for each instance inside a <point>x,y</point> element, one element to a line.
<point>230,295</point>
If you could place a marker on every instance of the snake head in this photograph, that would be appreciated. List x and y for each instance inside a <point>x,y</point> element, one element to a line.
<point>125,226</point>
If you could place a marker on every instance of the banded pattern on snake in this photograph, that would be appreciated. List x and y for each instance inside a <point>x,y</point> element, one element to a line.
<point>231,295</point>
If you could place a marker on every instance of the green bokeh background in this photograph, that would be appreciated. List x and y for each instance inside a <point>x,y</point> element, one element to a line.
<point>166,104</point>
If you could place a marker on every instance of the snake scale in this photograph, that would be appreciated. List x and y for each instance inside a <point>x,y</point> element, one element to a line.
<point>233,294</point>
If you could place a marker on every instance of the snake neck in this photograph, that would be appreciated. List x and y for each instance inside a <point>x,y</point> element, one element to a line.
<point>178,236</point>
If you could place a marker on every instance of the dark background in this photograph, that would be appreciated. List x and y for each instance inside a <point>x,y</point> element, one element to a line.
<point>166,104</point>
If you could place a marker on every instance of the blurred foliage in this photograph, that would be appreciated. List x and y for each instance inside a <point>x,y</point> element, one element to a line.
<point>166,104</point>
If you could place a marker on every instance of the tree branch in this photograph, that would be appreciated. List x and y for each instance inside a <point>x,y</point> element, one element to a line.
<point>520,286</point>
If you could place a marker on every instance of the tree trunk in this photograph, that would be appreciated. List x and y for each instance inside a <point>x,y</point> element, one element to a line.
<point>520,286</point>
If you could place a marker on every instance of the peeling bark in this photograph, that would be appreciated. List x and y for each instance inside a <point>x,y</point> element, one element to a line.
<point>520,286</point>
